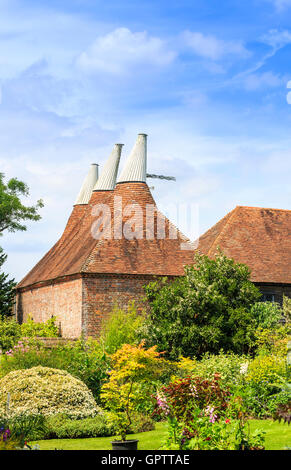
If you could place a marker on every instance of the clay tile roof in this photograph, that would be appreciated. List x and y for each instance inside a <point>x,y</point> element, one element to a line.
<point>258,237</point>
<point>150,252</point>
<point>78,252</point>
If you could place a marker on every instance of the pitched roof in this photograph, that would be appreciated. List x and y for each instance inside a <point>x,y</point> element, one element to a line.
<point>148,252</point>
<point>78,252</point>
<point>259,237</point>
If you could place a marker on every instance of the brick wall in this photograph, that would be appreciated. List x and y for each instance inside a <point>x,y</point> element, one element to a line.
<point>81,304</point>
<point>63,300</point>
<point>102,293</point>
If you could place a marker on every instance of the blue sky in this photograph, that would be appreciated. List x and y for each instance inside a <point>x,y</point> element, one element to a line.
<point>206,80</point>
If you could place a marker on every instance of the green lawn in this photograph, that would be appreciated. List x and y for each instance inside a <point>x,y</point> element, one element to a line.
<point>278,436</point>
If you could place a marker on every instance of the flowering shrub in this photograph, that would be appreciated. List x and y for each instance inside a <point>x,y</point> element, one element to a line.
<point>46,391</point>
<point>228,366</point>
<point>14,432</point>
<point>20,347</point>
<point>85,360</point>
<point>179,397</point>
<point>202,415</point>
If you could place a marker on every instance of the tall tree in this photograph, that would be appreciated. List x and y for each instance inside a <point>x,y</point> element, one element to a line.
<point>6,290</point>
<point>13,213</point>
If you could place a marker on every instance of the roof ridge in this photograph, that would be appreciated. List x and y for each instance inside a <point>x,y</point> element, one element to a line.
<point>222,231</point>
<point>264,208</point>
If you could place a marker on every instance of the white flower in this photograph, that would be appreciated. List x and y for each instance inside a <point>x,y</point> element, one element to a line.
<point>244,368</point>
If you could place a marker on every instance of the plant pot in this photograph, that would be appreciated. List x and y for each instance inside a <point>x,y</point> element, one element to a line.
<point>125,445</point>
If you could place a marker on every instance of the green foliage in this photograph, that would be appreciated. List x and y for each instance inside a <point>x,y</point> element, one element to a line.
<point>121,328</point>
<point>259,387</point>
<point>62,427</point>
<point>46,391</point>
<point>205,311</point>
<point>6,290</point>
<point>17,430</point>
<point>132,367</point>
<point>47,329</point>
<point>12,212</point>
<point>84,360</point>
<point>10,333</point>
<point>266,314</point>
<point>203,416</point>
<point>287,308</point>
<point>229,366</point>
<point>273,340</point>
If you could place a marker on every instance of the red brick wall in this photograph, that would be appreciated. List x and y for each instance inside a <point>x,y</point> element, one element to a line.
<point>63,300</point>
<point>101,294</point>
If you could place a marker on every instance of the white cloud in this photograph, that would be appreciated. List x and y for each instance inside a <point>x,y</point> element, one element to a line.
<point>211,47</point>
<point>121,51</point>
<point>281,4</point>
<point>277,39</point>
<point>255,82</point>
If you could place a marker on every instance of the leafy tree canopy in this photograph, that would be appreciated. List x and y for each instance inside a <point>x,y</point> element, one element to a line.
<point>206,310</point>
<point>6,289</point>
<point>13,213</point>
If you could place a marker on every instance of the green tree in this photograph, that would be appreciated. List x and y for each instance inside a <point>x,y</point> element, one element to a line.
<point>6,290</point>
<point>206,310</point>
<point>12,212</point>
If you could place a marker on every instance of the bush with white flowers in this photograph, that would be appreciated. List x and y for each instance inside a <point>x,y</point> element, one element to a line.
<point>46,391</point>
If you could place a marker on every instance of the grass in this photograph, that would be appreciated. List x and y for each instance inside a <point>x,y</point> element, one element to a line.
<point>278,437</point>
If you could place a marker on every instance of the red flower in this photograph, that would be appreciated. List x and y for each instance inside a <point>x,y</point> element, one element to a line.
<point>208,439</point>
<point>227,421</point>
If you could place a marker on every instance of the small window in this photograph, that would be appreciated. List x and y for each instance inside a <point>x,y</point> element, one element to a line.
<point>268,298</point>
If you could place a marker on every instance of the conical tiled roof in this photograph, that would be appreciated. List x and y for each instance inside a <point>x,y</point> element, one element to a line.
<point>147,252</point>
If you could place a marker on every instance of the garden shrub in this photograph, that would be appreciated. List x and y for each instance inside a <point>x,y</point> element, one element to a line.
<point>84,360</point>
<point>273,340</point>
<point>203,416</point>
<point>266,314</point>
<point>32,329</point>
<point>21,428</point>
<point>287,308</point>
<point>132,380</point>
<point>260,387</point>
<point>227,365</point>
<point>206,310</point>
<point>62,427</point>
<point>120,328</point>
<point>46,391</point>
<point>264,370</point>
<point>10,333</point>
